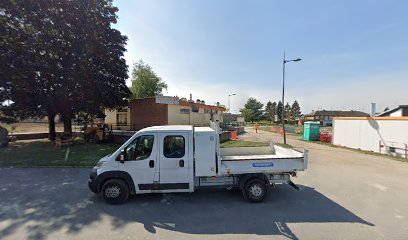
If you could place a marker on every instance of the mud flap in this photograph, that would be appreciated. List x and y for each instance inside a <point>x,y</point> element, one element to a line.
<point>292,184</point>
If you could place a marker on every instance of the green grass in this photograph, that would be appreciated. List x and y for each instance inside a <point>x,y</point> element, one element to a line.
<point>240,143</point>
<point>284,145</point>
<point>43,153</point>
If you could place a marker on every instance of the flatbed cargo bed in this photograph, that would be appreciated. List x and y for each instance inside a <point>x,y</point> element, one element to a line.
<point>284,160</point>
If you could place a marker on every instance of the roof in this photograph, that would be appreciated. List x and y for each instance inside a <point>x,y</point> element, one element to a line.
<point>385,113</point>
<point>190,104</point>
<point>372,118</point>
<point>183,103</point>
<point>337,113</point>
<point>169,128</point>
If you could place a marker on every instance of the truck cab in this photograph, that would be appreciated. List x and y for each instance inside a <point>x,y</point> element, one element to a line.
<point>165,159</point>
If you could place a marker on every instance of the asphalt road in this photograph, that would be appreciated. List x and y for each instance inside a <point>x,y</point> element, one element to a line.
<point>344,195</point>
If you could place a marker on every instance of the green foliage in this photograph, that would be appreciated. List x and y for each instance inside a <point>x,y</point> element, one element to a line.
<point>256,109</point>
<point>270,111</point>
<point>61,57</point>
<point>279,110</point>
<point>287,111</point>
<point>145,82</point>
<point>247,114</point>
<point>295,111</point>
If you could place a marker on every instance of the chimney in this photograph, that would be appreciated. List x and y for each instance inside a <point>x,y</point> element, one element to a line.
<point>191,97</point>
<point>373,109</point>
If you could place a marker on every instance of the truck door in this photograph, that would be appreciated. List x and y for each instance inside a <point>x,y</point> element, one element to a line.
<point>142,162</point>
<point>174,164</point>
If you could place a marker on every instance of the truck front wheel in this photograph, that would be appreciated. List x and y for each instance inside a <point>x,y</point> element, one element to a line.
<point>255,190</point>
<point>115,191</point>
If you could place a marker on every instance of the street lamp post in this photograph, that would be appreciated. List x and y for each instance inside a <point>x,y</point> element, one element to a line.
<point>229,102</point>
<point>283,93</point>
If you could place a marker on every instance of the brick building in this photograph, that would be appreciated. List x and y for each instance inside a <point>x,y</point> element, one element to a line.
<point>163,110</point>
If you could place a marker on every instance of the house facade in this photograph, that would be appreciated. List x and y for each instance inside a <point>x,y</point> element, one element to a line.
<point>400,111</point>
<point>326,117</point>
<point>163,110</point>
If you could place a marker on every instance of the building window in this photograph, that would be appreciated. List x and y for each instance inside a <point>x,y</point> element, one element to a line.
<point>206,111</point>
<point>121,119</point>
<point>174,147</point>
<point>140,148</point>
<point>184,111</point>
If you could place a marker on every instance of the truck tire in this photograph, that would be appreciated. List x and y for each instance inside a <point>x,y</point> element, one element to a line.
<point>255,190</point>
<point>115,191</point>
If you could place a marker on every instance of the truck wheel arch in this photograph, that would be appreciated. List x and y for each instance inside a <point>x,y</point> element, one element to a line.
<point>243,179</point>
<point>105,176</point>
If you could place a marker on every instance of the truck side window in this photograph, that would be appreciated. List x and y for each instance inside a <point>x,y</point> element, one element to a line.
<point>140,148</point>
<point>174,147</point>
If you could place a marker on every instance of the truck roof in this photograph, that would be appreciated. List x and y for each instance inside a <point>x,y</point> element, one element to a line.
<point>169,128</point>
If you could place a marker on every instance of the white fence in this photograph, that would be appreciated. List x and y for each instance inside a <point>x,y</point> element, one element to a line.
<point>378,134</point>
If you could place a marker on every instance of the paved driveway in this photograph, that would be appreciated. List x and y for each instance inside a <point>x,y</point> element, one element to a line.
<point>343,194</point>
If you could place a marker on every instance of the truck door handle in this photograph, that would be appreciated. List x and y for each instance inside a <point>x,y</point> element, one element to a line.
<point>181,163</point>
<point>151,163</point>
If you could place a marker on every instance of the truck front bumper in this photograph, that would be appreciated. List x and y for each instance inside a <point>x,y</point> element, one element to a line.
<point>92,182</point>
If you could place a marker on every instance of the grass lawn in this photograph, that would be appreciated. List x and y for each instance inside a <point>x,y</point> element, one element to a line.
<point>240,143</point>
<point>41,153</point>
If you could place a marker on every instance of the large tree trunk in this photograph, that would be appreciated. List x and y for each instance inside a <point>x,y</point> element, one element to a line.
<point>67,120</point>
<point>51,126</point>
<point>67,125</point>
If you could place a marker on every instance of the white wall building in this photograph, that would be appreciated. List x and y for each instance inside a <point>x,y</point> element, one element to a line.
<point>378,134</point>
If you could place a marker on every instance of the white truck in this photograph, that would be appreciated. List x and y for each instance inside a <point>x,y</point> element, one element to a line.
<point>168,159</point>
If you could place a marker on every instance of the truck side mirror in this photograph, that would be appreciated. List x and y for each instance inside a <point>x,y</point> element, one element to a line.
<point>122,156</point>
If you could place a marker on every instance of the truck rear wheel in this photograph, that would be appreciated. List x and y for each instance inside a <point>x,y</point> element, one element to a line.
<point>115,191</point>
<point>255,190</point>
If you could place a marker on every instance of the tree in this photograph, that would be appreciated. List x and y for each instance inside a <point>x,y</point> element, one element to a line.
<point>287,112</point>
<point>247,114</point>
<point>270,111</point>
<point>279,110</point>
<point>295,111</point>
<point>62,57</point>
<point>145,82</point>
<point>256,108</point>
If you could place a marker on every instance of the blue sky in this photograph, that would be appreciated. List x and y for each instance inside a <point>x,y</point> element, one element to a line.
<point>354,52</point>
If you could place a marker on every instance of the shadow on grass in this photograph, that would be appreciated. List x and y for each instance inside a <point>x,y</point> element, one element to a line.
<point>45,153</point>
<point>45,201</point>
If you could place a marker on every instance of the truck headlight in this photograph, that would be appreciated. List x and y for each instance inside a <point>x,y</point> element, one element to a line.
<point>99,164</point>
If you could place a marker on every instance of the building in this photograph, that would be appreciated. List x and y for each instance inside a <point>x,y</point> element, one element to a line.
<point>163,110</point>
<point>326,117</point>
<point>400,111</point>
<point>378,134</point>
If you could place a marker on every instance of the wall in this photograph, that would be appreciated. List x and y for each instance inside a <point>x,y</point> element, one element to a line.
<point>176,118</point>
<point>110,116</point>
<point>365,132</point>
<point>146,113</point>
<point>397,113</point>
<point>111,119</point>
<point>199,118</point>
